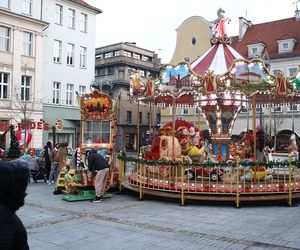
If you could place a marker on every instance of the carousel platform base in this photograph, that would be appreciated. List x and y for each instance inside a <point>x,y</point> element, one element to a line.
<point>83,195</point>
<point>214,196</point>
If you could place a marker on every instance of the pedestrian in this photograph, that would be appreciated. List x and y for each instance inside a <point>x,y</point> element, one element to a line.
<point>47,151</point>
<point>14,178</point>
<point>55,161</point>
<point>97,163</point>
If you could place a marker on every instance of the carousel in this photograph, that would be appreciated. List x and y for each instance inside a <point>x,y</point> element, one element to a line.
<point>180,163</point>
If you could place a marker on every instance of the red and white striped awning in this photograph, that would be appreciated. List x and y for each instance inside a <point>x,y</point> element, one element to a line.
<point>218,58</point>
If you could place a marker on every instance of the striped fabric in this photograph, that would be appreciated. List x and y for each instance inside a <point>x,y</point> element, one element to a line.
<point>217,58</point>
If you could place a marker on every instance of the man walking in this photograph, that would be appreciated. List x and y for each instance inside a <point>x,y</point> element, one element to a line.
<point>96,163</point>
<point>55,161</point>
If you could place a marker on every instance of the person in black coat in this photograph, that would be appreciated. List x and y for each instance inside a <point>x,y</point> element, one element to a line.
<point>97,163</point>
<point>14,178</point>
<point>47,150</point>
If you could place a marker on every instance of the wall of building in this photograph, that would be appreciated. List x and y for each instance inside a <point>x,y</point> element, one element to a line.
<point>192,39</point>
<point>116,70</point>
<point>16,65</point>
<point>61,72</point>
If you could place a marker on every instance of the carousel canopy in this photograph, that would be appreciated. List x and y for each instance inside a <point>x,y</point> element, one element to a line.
<point>217,58</point>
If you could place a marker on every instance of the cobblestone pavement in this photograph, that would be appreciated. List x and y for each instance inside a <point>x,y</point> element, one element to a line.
<point>123,222</point>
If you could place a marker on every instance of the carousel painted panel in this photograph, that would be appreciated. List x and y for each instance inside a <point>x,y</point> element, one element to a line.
<point>248,77</point>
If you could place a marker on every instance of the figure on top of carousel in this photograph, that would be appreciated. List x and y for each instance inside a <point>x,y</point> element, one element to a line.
<point>218,25</point>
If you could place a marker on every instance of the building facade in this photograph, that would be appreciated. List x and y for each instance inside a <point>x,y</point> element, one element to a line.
<point>192,40</point>
<point>277,43</point>
<point>21,69</point>
<point>68,64</point>
<point>46,55</point>
<point>114,65</point>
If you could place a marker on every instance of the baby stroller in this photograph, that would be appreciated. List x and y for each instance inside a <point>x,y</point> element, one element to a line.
<point>39,172</point>
<point>36,166</point>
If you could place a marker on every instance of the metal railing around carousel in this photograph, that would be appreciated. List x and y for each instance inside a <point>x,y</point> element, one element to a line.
<point>238,181</point>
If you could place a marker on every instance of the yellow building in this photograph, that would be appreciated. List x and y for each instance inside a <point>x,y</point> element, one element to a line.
<point>193,39</point>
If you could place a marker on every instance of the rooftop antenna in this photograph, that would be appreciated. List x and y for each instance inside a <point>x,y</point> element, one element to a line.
<point>247,13</point>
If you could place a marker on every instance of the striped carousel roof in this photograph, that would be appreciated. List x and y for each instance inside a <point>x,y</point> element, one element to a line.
<point>218,58</point>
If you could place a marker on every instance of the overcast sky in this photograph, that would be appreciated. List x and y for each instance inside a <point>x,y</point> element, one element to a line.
<point>152,24</point>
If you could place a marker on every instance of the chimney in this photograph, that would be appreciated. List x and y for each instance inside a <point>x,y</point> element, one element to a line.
<point>244,24</point>
<point>297,14</point>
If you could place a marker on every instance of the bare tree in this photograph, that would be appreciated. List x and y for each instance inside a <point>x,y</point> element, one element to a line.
<point>23,103</point>
<point>276,119</point>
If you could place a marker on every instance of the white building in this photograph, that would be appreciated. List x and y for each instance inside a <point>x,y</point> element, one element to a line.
<point>47,51</point>
<point>21,60</point>
<point>69,63</point>
<point>276,42</point>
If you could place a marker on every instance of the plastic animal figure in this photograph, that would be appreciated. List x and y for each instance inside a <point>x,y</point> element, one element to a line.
<point>249,173</point>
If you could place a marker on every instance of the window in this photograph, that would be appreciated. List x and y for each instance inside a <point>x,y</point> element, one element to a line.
<point>276,72</point>
<point>110,71</point>
<point>70,54</point>
<point>27,43</point>
<point>142,73</point>
<point>4,3</point>
<point>129,117</point>
<point>57,51</point>
<point>102,72</point>
<point>185,111</point>
<point>4,38</point>
<point>194,40</point>
<point>56,93</point>
<point>70,94</point>
<point>25,88</point>
<point>83,22</point>
<point>81,90</point>
<point>117,53</point>
<point>58,14</point>
<point>3,85</point>
<point>108,55</point>
<point>158,117</point>
<point>136,56</point>
<point>127,53</point>
<point>277,109</point>
<point>292,71</point>
<point>146,58</point>
<point>26,7</point>
<point>244,110</point>
<point>293,107</point>
<point>71,21</point>
<point>258,110</point>
<point>99,56</point>
<point>148,118</point>
<point>131,70</point>
<point>285,46</point>
<point>254,51</point>
<point>82,57</point>
<point>140,117</point>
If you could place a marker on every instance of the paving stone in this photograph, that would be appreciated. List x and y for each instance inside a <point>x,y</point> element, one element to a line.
<point>122,222</point>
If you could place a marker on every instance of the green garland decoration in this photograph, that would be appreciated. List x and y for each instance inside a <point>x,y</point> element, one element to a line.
<point>208,163</point>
